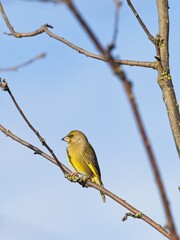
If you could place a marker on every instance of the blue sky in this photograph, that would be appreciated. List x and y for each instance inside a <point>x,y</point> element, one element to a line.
<point>66,91</point>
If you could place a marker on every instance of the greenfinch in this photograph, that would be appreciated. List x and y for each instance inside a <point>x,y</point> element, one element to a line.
<point>82,157</point>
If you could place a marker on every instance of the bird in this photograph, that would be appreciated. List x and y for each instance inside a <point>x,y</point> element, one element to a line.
<point>82,157</point>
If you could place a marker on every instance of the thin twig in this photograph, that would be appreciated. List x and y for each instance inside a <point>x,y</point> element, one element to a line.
<point>119,200</point>
<point>6,20</point>
<point>17,67</point>
<point>151,38</point>
<point>112,45</point>
<point>116,21</point>
<point>6,88</point>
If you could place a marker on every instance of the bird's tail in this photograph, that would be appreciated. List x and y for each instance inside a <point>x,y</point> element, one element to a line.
<point>99,182</point>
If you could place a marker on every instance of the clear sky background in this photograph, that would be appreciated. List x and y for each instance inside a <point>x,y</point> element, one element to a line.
<point>66,91</point>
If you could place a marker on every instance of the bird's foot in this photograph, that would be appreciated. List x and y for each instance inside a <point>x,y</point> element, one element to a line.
<point>74,177</point>
<point>83,180</point>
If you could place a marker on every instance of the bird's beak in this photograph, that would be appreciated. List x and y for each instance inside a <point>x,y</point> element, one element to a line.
<point>66,139</point>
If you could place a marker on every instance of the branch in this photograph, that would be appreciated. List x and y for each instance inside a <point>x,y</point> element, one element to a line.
<point>116,20</point>
<point>89,183</point>
<point>17,67</point>
<point>166,85</point>
<point>45,29</point>
<point>112,45</point>
<point>20,35</point>
<point>151,38</point>
<point>99,57</point>
<point>5,87</point>
<point>164,77</point>
<point>165,82</point>
<point>36,150</point>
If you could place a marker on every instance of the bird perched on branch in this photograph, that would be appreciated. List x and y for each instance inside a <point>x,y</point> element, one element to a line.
<point>82,157</point>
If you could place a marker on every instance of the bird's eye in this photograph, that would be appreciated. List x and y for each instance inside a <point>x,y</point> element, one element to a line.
<point>71,135</point>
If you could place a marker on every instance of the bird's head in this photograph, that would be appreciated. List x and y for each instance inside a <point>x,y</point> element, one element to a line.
<point>75,136</point>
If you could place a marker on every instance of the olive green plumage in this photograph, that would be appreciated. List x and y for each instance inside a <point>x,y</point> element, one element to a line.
<point>82,157</point>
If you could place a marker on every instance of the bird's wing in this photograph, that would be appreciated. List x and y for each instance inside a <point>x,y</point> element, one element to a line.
<point>89,156</point>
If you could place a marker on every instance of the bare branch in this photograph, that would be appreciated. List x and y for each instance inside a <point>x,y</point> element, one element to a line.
<point>165,82</point>
<point>151,38</point>
<point>30,34</point>
<point>166,85</point>
<point>17,67</point>
<point>20,35</point>
<point>163,17</point>
<point>164,77</point>
<point>45,29</point>
<point>6,19</point>
<point>122,202</point>
<point>116,21</point>
<point>6,88</point>
<point>112,45</point>
<point>152,65</point>
<point>36,150</point>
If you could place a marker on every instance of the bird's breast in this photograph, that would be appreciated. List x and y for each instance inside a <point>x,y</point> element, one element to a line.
<point>75,159</point>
